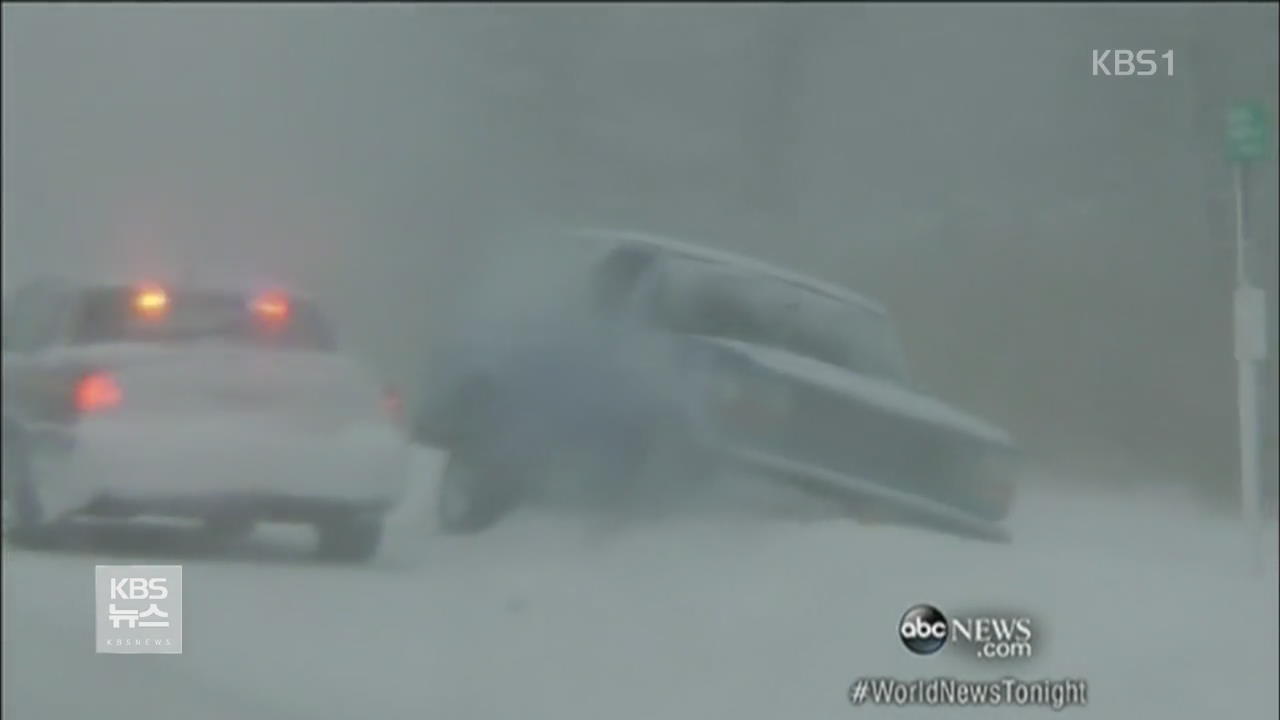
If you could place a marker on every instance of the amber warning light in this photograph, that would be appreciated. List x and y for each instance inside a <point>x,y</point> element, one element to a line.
<point>151,301</point>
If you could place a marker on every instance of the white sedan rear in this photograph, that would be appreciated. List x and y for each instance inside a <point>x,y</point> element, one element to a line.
<point>229,406</point>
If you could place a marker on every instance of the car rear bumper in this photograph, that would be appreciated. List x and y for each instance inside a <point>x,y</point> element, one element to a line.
<point>198,468</point>
<point>252,506</point>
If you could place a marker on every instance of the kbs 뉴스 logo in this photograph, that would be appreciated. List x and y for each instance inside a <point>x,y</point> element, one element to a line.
<point>138,608</point>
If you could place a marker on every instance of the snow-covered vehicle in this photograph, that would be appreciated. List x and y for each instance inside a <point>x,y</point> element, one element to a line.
<point>671,365</point>
<point>228,405</point>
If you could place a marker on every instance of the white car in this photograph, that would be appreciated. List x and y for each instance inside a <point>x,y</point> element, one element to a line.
<point>228,405</point>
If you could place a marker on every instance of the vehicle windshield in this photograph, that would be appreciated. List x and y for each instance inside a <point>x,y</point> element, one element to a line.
<point>107,315</point>
<point>697,297</point>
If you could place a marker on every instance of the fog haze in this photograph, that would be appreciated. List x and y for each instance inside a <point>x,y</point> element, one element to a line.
<point>1056,248</point>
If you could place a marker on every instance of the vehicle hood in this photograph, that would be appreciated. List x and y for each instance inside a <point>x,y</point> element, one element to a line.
<point>888,396</point>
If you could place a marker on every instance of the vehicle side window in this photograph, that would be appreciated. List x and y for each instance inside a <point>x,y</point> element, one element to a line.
<point>699,298</point>
<point>33,319</point>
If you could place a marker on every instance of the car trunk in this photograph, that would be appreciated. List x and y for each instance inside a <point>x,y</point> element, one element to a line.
<point>304,390</point>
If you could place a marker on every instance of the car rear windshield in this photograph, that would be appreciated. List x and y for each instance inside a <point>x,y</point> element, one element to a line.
<point>108,315</point>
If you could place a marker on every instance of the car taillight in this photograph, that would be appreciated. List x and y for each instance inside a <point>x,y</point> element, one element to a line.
<point>271,307</point>
<point>97,391</point>
<point>393,405</point>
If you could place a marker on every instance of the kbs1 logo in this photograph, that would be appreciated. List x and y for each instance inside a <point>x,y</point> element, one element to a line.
<point>139,608</point>
<point>925,630</point>
<point>1131,63</point>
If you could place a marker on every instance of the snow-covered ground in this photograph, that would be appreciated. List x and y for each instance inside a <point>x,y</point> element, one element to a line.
<point>733,616</point>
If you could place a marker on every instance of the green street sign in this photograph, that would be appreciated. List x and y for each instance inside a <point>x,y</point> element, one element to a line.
<point>1247,133</point>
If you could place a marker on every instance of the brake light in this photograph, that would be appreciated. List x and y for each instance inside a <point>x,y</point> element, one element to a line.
<point>97,391</point>
<point>271,306</point>
<point>393,405</point>
<point>151,301</point>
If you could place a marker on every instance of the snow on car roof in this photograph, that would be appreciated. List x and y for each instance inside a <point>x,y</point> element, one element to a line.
<point>86,281</point>
<point>619,238</point>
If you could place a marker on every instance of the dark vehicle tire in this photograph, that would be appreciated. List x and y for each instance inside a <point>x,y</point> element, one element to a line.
<point>470,499</point>
<point>475,493</point>
<point>354,538</point>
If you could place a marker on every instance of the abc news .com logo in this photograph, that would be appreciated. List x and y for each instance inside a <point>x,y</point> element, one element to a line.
<point>1131,63</point>
<point>924,630</point>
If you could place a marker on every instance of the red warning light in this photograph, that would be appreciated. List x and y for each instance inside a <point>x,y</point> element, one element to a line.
<point>271,306</point>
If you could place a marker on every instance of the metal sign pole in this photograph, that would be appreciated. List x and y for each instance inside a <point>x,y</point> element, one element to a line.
<point>1247,139</point>
<point>1247,381</point>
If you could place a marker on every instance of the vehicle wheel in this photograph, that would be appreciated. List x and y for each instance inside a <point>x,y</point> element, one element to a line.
<point>25,523</point>
<point>469,500</point>
<point>349,539</point>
